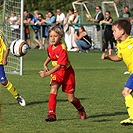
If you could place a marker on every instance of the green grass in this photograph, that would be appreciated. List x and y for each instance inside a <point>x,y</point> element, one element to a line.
<point>99,85</point>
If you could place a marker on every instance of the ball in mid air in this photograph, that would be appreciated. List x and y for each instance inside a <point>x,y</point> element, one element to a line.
<point>19,47</point>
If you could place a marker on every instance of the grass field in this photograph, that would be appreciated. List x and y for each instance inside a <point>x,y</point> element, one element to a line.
<point>99,86</point>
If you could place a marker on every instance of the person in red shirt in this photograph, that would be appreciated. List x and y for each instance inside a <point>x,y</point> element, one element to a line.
<point>62,74</point>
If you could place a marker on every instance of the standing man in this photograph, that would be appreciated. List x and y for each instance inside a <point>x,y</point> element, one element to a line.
<point>27,20</point>
<point>36,29</point>
<point>97,18</point>
<point>60,17</point>
<point>126,13</point>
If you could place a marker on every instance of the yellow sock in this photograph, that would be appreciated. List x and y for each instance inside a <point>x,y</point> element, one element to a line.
<point>11,89</point>
<point>129,105</point>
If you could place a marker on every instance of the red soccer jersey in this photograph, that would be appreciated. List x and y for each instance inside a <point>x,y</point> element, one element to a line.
<point>59,55</point>
<point>65,75</point>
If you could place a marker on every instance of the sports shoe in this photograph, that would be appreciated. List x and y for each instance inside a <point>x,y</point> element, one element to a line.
<point>51,118</point>
<point>20,100</point>
<point>128,121</point>
<point>82,113</point>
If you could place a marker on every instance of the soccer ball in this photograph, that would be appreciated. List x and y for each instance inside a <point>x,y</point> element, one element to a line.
<point>19,47</point>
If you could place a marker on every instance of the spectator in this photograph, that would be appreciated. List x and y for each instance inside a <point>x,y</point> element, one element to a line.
<point>17,26</point>
<point>126,13</point>
<point>36,29</point>
<point>51,18</point>
<point>77,22</point>
<point>27,20</point>
<point>97,18</point>
<point>50,21</point>
<point>46,35</point>
<point>41,21</point>
<point>12,20</point>
<point>83,41</point>
<point>60,17</point>
<point>69,29</point>
<point>132,27</point>
<point>108,33</point>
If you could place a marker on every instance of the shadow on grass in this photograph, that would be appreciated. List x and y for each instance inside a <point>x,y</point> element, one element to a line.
<point>72,118</point>
<point>27,103</point>
<point>98,116</point>
<point>106,115</point>
<point>110,114</point>
<point>103,120</point>
<point>35,102</point>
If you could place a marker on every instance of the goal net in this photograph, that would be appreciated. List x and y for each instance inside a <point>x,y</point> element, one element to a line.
<point>11,23</point>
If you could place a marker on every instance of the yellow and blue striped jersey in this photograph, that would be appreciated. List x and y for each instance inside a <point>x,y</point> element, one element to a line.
<point>2,49</point>
<point>125,51</point>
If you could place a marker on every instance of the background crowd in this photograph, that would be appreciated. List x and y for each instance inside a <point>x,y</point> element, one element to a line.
<point>75,35</point>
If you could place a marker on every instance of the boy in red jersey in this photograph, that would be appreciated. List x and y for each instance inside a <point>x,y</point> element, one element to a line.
<point>62,74</point>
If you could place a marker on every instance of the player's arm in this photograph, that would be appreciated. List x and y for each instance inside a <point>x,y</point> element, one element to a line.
<point>111,57</point>
<point>46,63</point>
<point>48,73</point>
<point>6,53</point>
<point>54,69</point>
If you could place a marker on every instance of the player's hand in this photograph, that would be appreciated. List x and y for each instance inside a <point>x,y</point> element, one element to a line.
<point>44,74</point>
<point>4,62</point>
<point>103,56</point>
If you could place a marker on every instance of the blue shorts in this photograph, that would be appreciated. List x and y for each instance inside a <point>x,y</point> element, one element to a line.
<point>129,83</point>
<point>2,74</point>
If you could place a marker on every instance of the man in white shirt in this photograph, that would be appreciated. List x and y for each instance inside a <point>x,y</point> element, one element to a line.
<point>60,17</point>
<point>12,20</point>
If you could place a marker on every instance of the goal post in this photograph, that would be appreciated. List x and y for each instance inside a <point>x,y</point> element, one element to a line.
<point>15,64</point>
<point>104,3</point>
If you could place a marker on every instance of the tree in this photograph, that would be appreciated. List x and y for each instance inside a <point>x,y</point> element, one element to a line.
<point>48,5</point>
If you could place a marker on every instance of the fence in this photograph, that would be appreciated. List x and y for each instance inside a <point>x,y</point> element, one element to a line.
<point>90,29</point>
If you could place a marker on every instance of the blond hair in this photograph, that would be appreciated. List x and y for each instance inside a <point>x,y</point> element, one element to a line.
<point>57,29</point>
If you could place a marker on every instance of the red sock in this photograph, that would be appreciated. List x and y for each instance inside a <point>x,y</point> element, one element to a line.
<point>77,104</point>
<point>52,103</point>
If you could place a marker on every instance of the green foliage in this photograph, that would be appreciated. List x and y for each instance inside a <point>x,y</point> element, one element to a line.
<point>48,5</point>
<point>98,85</point>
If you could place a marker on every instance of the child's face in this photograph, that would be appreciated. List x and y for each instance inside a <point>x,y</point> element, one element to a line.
<point>55,38</point>
<point>117,32</point>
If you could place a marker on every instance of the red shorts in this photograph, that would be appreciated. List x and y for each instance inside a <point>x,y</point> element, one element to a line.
<point>66,78</point>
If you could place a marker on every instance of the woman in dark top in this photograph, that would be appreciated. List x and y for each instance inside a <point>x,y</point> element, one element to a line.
<point>108,33</point>
<point>83,41</point>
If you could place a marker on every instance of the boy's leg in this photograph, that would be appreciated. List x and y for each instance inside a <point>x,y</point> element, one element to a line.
<point>129,106</point>
<point>69,88</point>
<point>11,89</point>
<point>51,108</point>
<point>15,94</point>
<point>77,104</point>
<point>52,103</point>
<point>129,103</point>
